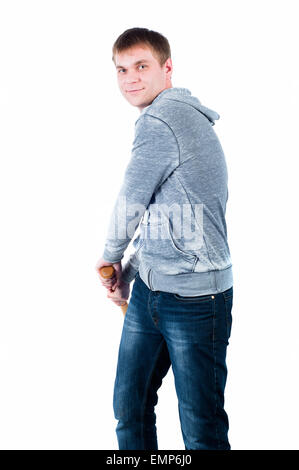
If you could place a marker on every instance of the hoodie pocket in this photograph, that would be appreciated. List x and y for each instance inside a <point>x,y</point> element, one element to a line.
<point>188,256</point>
<point>160,251</point>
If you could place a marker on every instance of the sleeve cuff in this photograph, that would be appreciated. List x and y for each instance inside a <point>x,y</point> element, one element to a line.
<point>111,257</point>
<point>128,272</point>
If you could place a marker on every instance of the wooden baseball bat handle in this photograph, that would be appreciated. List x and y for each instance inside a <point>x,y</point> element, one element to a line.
<point>107,272</point>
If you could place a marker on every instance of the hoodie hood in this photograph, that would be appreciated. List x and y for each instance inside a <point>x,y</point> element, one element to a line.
<point>184,95</point>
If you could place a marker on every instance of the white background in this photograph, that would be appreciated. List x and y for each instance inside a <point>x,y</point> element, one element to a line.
<point>66,135</point>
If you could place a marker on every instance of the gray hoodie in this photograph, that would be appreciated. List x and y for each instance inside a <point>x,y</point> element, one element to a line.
<point>175,190</point>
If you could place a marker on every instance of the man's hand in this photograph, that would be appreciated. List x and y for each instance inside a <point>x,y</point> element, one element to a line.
<point>120,294</point>
<point>111,283</point>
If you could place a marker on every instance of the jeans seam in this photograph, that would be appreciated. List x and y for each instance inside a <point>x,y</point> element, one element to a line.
<point>227,316</point>
<point>146,391</point>
<point>215,373</point>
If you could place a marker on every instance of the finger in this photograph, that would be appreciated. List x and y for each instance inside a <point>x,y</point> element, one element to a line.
<point>111,279</point>
<point>118,300</point>
<point>108,289</point>
<point>108,283</point>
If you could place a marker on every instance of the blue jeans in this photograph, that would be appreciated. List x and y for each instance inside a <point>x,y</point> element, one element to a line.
<point>191,334</point>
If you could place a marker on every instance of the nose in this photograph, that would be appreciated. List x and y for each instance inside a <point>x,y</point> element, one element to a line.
<point>131,82</point>
<point>132,77</point>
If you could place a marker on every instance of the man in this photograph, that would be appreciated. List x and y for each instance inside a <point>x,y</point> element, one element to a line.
<point>179,312</point>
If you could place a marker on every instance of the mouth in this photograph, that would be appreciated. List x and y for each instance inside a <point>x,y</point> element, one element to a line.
<point>134,91</point>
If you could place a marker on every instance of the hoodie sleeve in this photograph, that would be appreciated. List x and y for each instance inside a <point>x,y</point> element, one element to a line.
<point>155,154</point>
<point>130,269</point>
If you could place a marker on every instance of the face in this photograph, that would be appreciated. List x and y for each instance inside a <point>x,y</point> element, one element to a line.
<point>140,76</point>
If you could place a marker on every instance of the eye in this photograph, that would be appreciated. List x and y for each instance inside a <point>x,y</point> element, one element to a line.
<point>142,65</point>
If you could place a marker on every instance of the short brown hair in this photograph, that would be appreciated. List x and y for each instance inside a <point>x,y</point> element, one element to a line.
<point>138,36</point>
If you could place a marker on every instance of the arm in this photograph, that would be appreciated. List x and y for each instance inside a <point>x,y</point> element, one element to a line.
<point>155,155</point>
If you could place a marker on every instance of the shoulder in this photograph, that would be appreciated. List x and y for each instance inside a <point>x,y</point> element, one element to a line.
<point>153,123</point>
<point>164,113</point>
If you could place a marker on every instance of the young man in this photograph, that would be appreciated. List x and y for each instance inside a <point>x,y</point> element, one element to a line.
<point>179,312</point>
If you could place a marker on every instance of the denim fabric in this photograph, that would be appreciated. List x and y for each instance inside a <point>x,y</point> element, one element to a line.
<point>191,334</point>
